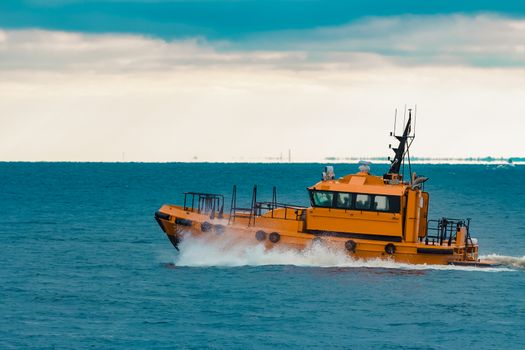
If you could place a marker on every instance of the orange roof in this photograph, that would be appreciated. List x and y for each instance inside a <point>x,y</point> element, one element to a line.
<point>360,183</point>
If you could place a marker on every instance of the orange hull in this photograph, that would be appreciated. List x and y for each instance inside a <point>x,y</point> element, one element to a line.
<point>175,221</point>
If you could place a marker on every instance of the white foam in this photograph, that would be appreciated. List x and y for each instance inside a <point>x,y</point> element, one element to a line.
<point>229,252</point>
<point>511,261</point>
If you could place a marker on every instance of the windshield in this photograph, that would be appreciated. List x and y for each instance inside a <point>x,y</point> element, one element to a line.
<point>356,201</point>
<point>323,198</point>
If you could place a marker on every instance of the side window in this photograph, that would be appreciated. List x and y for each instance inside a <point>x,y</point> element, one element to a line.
<point>391,204</point>
<point>323,199</point>
<point>362,202</point>
<point>381,203</point>
<point>343,200</point>
<point>394,204</point>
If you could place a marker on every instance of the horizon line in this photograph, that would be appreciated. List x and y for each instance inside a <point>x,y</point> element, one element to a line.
<point>378,160</point>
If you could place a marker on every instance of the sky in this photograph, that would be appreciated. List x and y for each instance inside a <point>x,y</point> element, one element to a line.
<point>249,80</point>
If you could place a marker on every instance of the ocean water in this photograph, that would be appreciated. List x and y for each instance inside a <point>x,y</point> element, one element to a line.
<point>84,265</point>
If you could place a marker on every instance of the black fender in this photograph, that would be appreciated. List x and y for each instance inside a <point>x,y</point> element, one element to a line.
<point>183,222</point>
<point>274,237</point>
<point>390,249</point>
<point>260,235</point>
<point>206,226</point>
<point>350,245</point>
<point>161,215</point>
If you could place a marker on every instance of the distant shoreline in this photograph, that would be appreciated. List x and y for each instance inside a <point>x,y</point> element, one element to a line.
<point>328,160</point>
<point>429,160</point>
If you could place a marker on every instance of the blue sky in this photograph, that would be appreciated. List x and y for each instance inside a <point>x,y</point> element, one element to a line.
<point>113,80</point>
<point>230,19</point>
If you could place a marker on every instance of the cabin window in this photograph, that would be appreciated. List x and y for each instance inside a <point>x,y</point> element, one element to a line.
<point>381,203</point>
<point>343,200</point>
<point>394,204</point>
<point>362,202</point>
<point>389,204</point>
<point>323,198</point>
<point>356,201</point>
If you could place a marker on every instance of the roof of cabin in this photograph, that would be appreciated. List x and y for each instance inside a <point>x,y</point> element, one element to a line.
<point>361,182</point>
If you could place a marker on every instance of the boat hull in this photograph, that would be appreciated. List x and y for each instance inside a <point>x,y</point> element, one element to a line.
<point>274,232</point>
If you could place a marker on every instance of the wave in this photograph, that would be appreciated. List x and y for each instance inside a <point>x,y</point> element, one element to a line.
<point>229,252</point>
<point>504,260</point>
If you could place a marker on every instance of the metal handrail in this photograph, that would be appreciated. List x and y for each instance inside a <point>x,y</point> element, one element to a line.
<point>257,207</point>
<point>206,203</point>
<point>445,230</point>
<point>272,206</point>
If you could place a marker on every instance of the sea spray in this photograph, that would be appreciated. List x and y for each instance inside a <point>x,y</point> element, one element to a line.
<point>230,252</point>
<point>510,261</point>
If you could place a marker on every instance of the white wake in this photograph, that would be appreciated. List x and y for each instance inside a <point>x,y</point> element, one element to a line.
<point>510,261</point>
<point>229,252</point>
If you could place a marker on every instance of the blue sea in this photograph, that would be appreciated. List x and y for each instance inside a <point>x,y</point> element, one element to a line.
<point>83,264</point>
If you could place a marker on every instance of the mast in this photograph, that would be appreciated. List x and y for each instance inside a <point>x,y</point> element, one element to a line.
<point>400,151</point>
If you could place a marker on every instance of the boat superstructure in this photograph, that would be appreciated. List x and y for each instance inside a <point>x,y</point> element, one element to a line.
<point>367,215</point>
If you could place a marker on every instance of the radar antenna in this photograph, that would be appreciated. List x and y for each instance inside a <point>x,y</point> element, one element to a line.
<point>405,141</point>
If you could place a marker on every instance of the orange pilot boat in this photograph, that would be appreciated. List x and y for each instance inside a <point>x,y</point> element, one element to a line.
<point>366,215</point>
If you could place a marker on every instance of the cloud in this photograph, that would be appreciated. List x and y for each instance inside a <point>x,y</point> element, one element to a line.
<point>327,92</point>
<point>479,41</point>
<point>38,50</point>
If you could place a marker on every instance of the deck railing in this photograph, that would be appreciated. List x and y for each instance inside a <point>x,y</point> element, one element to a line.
<point>204,203</point>
<point>259,208</point>
<point>445,230</point>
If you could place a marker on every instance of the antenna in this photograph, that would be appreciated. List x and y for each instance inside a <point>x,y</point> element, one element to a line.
<point>415,119</point>
<point>395,120</point>
<point>405,116</point>
<point>403,149</point>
